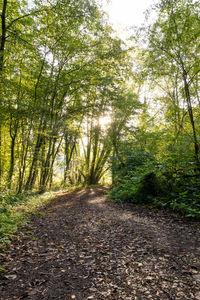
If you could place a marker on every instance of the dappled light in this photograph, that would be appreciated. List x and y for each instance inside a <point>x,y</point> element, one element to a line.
<point>99,249</point>
<point>99,150</point>
<point>105,121</point>
<point>98,201</point>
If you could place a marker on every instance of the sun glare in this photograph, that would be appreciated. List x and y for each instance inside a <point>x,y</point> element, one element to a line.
<point>104,121</point>
<point>127,13</point>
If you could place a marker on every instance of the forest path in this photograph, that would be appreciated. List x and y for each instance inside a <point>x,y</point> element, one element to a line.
<point>83,246</point>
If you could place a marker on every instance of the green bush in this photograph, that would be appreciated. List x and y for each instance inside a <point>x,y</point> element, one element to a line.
<point>148,182</point>
<point>15,211</point>
<point>139,186</point>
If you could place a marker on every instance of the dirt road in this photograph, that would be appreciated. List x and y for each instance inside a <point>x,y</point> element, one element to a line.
<point>84,246</point>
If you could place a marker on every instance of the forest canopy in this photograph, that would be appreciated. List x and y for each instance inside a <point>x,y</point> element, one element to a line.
<point>63,70</point>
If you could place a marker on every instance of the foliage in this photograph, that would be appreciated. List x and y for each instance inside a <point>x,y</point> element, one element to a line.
<point>148,182</point>
<point>62,68</point>
<point>16,210</point>
<point>60,62</point>
<point>132,174</point>
<point>167,69</point>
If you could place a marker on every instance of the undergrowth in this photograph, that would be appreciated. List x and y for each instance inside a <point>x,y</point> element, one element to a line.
<point>145,181</point>
<point>179,195</point>
<point>16,210</point>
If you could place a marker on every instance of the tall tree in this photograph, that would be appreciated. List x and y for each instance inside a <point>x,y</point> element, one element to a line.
<point>174,52</point>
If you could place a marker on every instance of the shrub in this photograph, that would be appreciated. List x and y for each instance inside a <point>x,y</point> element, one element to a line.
<point>147,182</point>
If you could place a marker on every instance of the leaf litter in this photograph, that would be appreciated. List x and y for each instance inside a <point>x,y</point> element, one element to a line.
<point>98,249</point>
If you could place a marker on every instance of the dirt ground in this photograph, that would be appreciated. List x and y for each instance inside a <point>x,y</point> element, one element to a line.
<point>83,246</point>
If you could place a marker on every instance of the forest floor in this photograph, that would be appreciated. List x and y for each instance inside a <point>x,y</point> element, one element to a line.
<point>83,246</point>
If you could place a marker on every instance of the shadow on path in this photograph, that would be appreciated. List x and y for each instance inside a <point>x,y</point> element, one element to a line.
<point>84,246</point>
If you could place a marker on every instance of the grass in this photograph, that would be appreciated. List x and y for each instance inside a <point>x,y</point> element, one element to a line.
<point>15,215</point>
<point>17,210</point>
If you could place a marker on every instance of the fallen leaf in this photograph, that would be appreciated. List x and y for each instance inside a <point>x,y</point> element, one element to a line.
<point>197,296</point>
<point>11,277</point>
<point>197,277</point>
<point>2,270</point>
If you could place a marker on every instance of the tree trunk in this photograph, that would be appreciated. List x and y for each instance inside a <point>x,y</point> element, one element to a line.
<point>3,35</point>
<point>22,169</point>
<point>12,161</point>
<point>2,48</point>
<point>46,167</point>
<point>12,152</point>
<point>190,111</point>
<point>32,172</point>
<point>68,156</point>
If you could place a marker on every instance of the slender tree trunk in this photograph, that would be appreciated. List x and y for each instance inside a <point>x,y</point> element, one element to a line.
<point>69,150</point>
<point>33,171</point>
<point>22,169</point>
<point>12,161</point>
<point>49,179</point>
<point>3,35</point>
<point>25,142</point>
<point>45,169</point>
<point>2,48</point>
<point>190,111</point>
<point>12,151</point>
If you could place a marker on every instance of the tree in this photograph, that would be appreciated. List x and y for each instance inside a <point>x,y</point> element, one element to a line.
<point>174,52</point>
<point>62,63</point>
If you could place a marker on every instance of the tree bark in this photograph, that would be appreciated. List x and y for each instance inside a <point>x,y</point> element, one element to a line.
<point>3,35</point>
<point>2,48</point>
<point>12,156</point>
<point>190,111</point>
<point>32,172</point>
